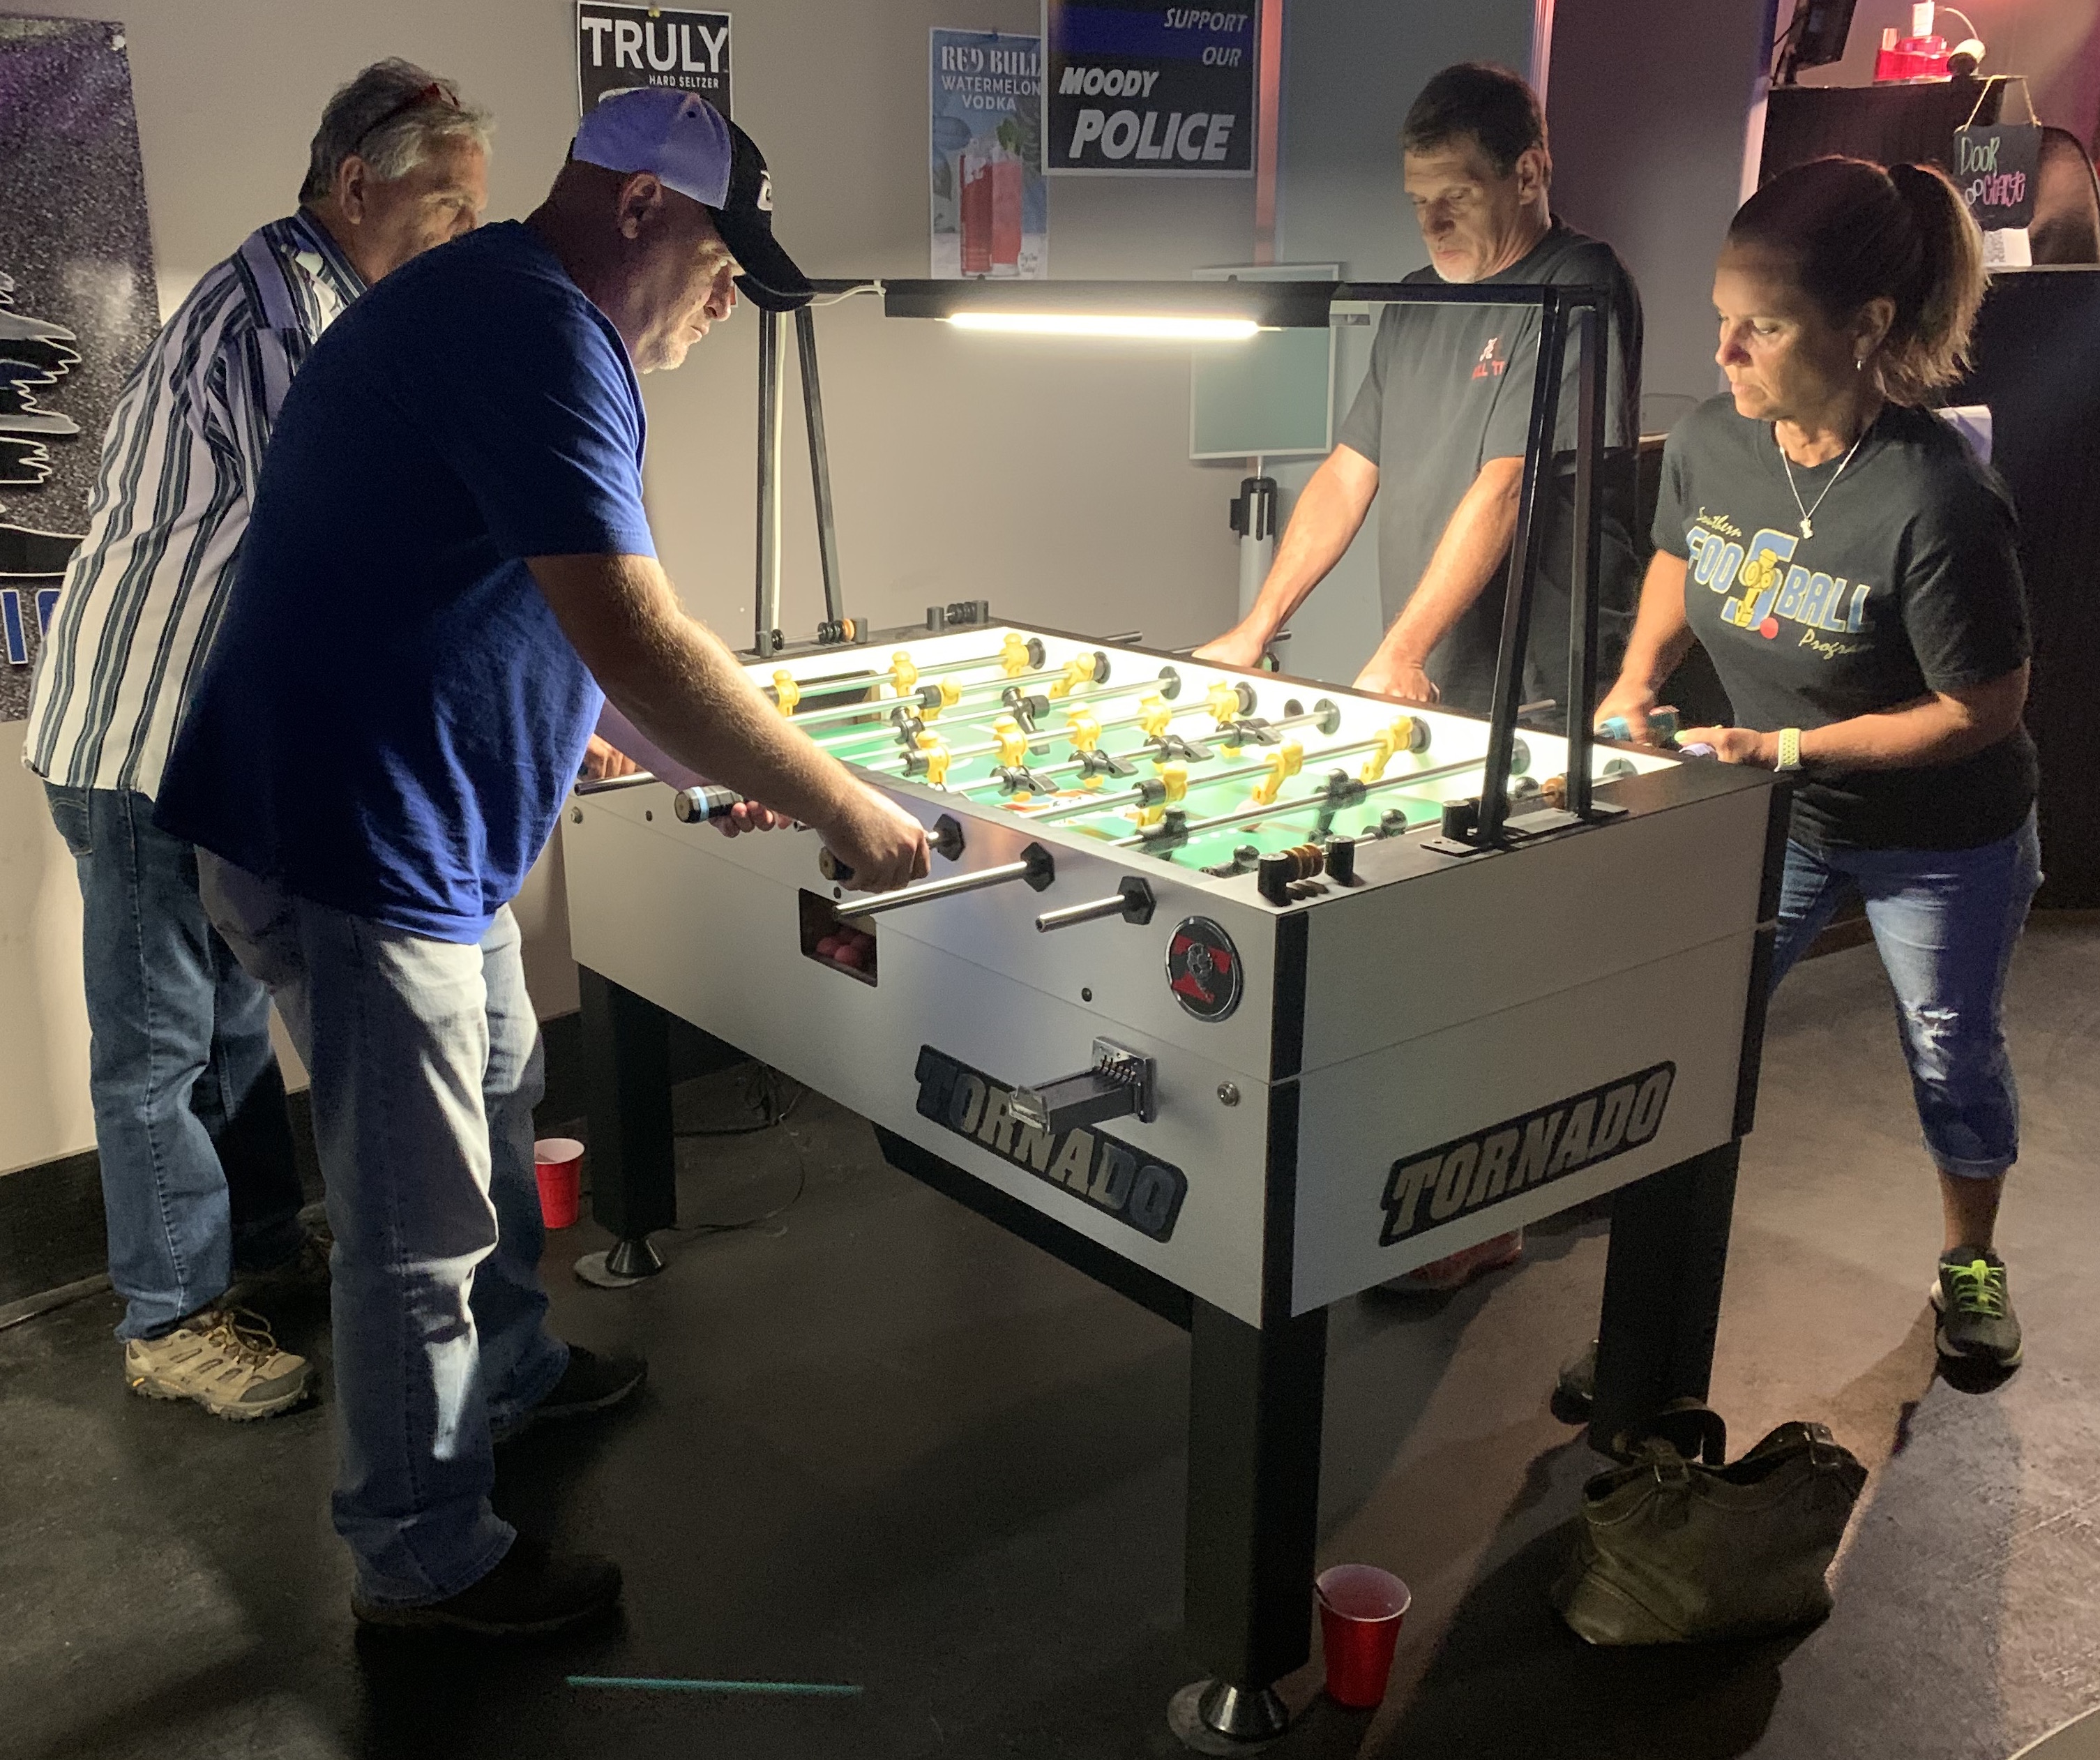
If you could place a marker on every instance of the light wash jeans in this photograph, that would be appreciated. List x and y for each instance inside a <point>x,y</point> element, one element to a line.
<point>425,1061</point>
<point>1945,923</point>
<point>198,1178</point>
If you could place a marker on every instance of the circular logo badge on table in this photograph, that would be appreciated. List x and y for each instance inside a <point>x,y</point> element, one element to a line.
<point>1203,969</point>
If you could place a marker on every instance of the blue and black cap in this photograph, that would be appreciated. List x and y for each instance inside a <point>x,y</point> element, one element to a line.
<point>682,139</point>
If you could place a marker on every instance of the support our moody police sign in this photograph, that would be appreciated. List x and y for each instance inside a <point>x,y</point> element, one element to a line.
<point>1133,88</point>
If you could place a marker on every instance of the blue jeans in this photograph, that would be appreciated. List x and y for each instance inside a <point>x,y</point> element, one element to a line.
<point>1945,922</point>
<point>426,1065</point>
<point>198,1178</point>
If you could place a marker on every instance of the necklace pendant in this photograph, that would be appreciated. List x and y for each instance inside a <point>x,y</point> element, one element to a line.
<point>1808,527</point>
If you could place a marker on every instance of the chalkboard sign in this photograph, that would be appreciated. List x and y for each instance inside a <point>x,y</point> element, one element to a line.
<point>1994,168</point>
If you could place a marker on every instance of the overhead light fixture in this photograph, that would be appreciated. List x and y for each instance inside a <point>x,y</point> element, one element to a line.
<point>1134,327</point>
<point>1149,310</point>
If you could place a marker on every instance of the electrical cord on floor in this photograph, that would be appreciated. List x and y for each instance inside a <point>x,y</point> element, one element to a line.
<point>766,1084</point>
<point>744,1223</point>
<point>775,1106</point>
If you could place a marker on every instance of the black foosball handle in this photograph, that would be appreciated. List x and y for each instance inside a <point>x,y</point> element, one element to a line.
<point>946,839</point>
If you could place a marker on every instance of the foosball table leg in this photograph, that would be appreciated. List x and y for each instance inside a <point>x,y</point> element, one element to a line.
<point>1255,1401</point>
<point>1662,1291</point>
<point>626,1048</point>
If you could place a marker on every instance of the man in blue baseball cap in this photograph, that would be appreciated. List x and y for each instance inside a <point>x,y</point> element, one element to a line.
<point>448,562</point>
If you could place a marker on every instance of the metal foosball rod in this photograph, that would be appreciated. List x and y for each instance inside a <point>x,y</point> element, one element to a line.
<point>1342,792</point>
<point>927,696</point>
<point>1324,714</point>
<point>1084,732</point>
<point>1089,668</point>
<point>1011,738</point>
<point>898,724</point>
<point>1406,733</point>
<point>928,755</point>
<point>1037,866</point>
<point>1018,655</point>
<point>1228,703</point>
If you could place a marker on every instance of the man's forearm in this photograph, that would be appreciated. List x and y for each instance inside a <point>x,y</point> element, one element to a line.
<point>1474,545</point>
<point>1329,512</point>
<point>676,681</point>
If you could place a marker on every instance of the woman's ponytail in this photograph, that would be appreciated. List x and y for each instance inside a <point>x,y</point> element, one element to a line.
<point>1928,346</point>
<point>1856,233</point>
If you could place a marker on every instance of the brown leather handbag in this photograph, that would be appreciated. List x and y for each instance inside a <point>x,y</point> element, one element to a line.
<point>1677,1548</point>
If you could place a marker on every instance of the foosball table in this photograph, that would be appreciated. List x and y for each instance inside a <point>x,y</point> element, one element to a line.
<point>1210,994</point>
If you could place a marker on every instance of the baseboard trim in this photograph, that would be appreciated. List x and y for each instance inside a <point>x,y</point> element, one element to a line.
<point>51,1226</point>
<point>14,1314</point>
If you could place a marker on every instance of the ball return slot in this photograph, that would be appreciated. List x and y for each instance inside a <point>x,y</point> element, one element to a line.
<point>836,939</point>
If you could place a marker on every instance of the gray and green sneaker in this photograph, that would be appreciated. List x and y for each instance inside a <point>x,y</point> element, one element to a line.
<point>1976,1318</point>
<point>223,1359</point>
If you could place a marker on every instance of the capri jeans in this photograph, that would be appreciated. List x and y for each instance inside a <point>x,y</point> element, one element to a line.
<point>1945,922</point>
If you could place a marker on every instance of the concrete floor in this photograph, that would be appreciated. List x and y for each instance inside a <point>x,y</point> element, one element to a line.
<point>884,1444</point>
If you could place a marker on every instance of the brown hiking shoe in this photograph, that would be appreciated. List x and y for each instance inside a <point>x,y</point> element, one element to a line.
<point>225,1360</point>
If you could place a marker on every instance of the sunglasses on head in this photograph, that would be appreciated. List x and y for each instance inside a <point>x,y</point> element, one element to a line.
<point>434,93</point>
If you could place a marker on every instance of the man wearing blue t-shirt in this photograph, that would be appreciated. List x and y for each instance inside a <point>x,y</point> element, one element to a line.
<point>377,749</point>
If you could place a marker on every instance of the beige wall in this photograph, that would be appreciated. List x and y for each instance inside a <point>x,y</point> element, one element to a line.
<point>1054,485</point>
<point>43,1023</point>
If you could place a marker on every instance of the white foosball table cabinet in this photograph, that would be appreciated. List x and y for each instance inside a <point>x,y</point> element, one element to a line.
<point>1236,1072</point>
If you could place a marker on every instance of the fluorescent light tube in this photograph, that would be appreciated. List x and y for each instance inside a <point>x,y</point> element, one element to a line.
<point>1154,329</point>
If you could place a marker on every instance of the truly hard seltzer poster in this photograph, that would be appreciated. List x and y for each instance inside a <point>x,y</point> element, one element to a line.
<point>985,134</point>
<point>619,46</point>
<point>1132,88</point>
<point>77,306</point>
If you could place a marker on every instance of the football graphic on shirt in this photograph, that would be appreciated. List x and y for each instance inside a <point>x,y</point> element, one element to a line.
<point>1758,580</point>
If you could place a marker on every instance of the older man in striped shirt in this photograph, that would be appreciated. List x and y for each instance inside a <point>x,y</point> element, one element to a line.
<point>197,1173</point>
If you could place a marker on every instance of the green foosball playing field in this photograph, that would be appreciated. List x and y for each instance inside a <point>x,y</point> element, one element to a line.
<point>1200,781</point>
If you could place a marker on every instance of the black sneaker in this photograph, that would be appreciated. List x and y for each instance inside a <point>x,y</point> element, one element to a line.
<point>532,1590</point>
<point>1575,1390</point>
<point>1976,1317</point>
<point>301,1276</point>
<point>590,1383</point>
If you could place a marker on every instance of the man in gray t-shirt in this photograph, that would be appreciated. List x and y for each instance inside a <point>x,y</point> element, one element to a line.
<point>1440,423</point>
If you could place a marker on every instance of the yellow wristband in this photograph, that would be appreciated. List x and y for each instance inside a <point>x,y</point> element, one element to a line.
<point>1789,749</point>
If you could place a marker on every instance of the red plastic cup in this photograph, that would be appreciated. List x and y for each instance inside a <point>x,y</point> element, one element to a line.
<point>1360,1609</point>
<point>558,1161</point>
